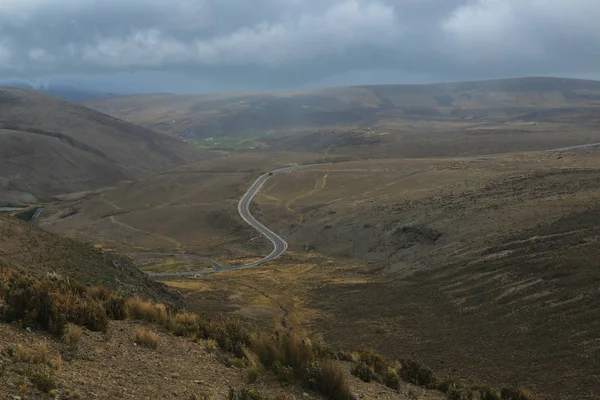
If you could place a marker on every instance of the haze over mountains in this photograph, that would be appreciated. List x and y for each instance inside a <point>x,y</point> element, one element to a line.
<point>50,147</point>
<point>400,120</point>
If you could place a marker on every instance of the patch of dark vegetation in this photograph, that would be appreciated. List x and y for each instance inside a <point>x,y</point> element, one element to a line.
<point>404,237</point>
<point>370,366</point>
<point>245,394</point>
<point>49,304</point>
<point>287,356</point>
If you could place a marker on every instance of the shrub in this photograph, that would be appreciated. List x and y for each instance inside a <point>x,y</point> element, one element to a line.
<point>81,311</point>
<point>210,345</point>
<point>516,394</point>
<point>284,373</point>
<point>487,393</point>
<point>416,373</point>
<point>347,356</point>
<point>527,395</point>
<point>145,338</point>
<point>43,380</point>
<point>376,361</point>
<point>391,379</point>
<point>252,375</point>
<point>37,354</point>
<point>363,372</point>
<point>457,391</point>
<point>50,304</point>
<point>267,350</point>
<point>327,379</point>
<point>296,352</point>
<point>137,308</point>
<point>231,337</point>
<point>184,324</point>
<point>244,394</point>
<point>29,301</point>
<point>100,293</point>
<point>115,307</point>
<point>72,335</point>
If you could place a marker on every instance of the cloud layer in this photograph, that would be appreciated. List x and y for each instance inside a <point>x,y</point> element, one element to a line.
<point>299,40</point>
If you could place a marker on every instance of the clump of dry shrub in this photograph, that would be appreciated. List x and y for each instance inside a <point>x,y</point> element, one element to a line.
<point>145,337</point>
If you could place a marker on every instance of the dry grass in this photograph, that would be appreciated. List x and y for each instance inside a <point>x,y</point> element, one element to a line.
<point>36,354</point>
<point>210,345</point>
<point>101,293</point>
<point>145,337</point>
<point>137,308</point>
<point>332,382</point>
<point>72,335</point>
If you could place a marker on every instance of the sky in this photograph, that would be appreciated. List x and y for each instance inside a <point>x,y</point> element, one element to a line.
<point>211,45</point>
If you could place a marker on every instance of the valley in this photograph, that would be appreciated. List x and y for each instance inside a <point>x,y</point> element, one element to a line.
<point>456,224</point>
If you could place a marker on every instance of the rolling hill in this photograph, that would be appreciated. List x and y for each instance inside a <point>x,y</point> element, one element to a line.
<point>50,147</point>
<point>386,120</point>
<point>26,248</point>
<point>467,262</point>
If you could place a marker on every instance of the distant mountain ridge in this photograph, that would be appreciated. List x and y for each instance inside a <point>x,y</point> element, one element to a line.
<point>248,114</point>
<point>66,92</point>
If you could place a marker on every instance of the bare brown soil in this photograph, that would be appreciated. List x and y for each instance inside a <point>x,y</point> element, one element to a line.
<point>112,366</point>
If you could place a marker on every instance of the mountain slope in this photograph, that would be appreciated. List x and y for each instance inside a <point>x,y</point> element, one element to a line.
<point>231,114</point>
<point>49,146</point>
<point>29,249</point>
<point>66,92</point>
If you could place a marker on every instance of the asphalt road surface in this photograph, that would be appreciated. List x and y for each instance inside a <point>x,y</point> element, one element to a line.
<point>279,245</point>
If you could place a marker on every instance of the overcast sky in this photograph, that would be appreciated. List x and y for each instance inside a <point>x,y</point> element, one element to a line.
<point>199,45</point>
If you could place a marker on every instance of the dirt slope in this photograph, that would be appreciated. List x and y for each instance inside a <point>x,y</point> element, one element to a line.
<point>49,147</point>
<point>27,248</point>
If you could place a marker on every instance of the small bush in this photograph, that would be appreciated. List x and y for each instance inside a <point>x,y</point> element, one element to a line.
<point>379,363</point>
<point>252,375</point>
<point>328,380</point>
<point>231,337</point>
<point>527,395</point>
<point>72,335</point>
<point>50,304</point>
<point>284,373</point>
<point>416,373</point>
<point>210,345</point>
<point>347,356</point>
<point>184,324</point>
<point>457,391</point>
<point>81,311</point>
<point>267,350</point>
<point>516,394</point>
<point>139,309</point>
<point>244,394</point>
<point>37,354</point>
<point>363,372</point>
<point>487,393</point>
<point>115,307</point>
<point>99,293</point>
<point>43,380</point>
<point>145,338</point>
<point>391,379</point>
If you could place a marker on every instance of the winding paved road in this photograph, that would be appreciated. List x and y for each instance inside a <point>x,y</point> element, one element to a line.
<point>279,245</point>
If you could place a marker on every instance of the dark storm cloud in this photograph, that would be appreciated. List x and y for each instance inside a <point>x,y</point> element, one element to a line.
<point>299,40</point>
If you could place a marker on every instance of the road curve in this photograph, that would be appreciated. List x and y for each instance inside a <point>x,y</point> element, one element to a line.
<point>279,245</point>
